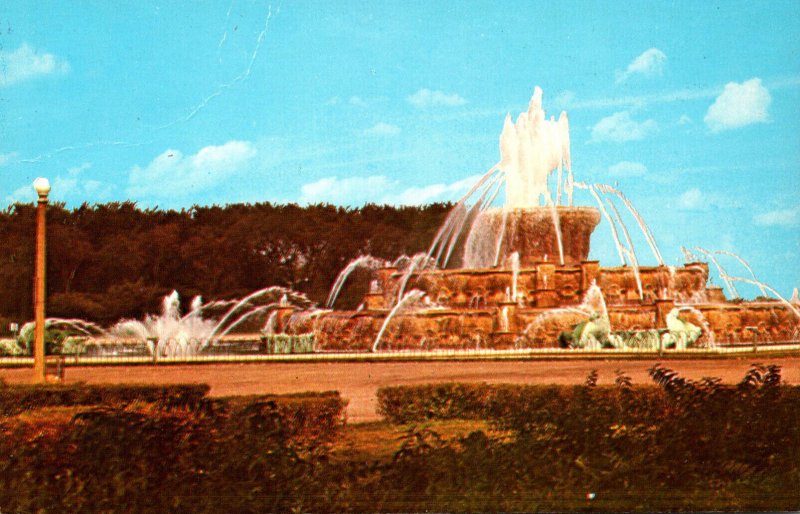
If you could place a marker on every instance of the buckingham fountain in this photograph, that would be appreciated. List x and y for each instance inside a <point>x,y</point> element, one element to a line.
<point>518,275</point>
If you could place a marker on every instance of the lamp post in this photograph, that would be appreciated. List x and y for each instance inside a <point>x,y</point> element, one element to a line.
<point>42,187</point>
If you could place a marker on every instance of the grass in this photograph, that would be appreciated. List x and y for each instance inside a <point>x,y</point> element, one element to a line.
<point>381,440</point>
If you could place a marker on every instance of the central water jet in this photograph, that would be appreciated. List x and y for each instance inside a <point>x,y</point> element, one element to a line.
<point>531,222</point>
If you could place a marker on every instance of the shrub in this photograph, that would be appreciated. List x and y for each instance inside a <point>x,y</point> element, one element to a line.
<point>19,398</point>
<point>680,432</point>
<point>511,405</point>
<point>114,460</point>
<point>246,454</point>
<point>313,418</point>
<point>11,348</point>
<point>680,445</point>
<point>286,343</point>
<point>405,404</point>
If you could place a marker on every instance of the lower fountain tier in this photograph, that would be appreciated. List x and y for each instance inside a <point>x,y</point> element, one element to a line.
<point>510,326</point>
<point>531,232</point>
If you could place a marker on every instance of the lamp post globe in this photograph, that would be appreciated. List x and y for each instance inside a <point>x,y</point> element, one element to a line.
<point>42,186</point>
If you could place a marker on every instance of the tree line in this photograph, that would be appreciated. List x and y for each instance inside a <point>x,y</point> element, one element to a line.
<point>111,261</point>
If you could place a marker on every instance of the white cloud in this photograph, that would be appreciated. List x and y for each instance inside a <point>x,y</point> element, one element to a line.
<point>77,170</point>
<point>69,186</point>
<point>346,191</point>
<point>691,199</point>
<point>431,193</point>
<point>739,105</point>
<point>620,127</point>
<point>73,186</point>
<point>427,98</point>
<point>627,169</point>
<point>96,190</point>
<point>357,101</point>
<point>23,194</point>
<point>6,158</point>
<point>25,63</point>
<point>695,199</point>
<point>639,101</point>
<point>172,174</point>
<point>382,129</point>
<point>564,99</point>
<point>380,190</point>
<point>684,120</point>
<point>665,97</point>
<point>782,217</point>
<point>63,186</point>
<point>650,63</point>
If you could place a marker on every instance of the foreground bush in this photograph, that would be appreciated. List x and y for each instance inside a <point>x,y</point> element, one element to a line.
<point>248,454</point>
<point>19,398</point>
<point>313,418</point>
<point>680,444</point>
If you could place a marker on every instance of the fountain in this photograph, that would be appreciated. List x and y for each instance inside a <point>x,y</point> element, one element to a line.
<point>408,298</point>
<point>208,328</point>
<point>169,333</point>
<point>501,275</point>
<point>365,261</point>
<point>489,271</point>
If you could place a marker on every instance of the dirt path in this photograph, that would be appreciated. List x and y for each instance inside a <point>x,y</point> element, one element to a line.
<point>358,381</point>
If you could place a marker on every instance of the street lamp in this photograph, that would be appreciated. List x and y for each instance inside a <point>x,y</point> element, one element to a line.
<point>42,187</point>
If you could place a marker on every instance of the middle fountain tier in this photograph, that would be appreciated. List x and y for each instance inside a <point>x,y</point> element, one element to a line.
<point>536,234</point>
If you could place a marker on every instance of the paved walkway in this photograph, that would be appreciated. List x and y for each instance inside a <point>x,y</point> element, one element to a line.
<point>358,381</point>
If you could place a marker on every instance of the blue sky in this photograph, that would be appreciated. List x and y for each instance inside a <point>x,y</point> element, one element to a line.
<point>691,108</point>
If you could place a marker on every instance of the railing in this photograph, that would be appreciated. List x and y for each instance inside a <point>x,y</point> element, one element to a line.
<point>87,351</point>
<point>124,352</point>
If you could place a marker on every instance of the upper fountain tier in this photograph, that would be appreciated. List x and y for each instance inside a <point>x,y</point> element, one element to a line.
<point>533,223</point>
<point>530,150</point>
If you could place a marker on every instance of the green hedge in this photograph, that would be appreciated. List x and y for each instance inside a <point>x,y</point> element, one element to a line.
<point>115,460</point>
<point>511,405</point>
<point>676,432</point>
<point>310,417</point>
<point>11,348</point>
<point>516,406</point>
<point>314,416</point>
<point>19,398</point>
<point>288,343</point>
<point>240,454</point>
